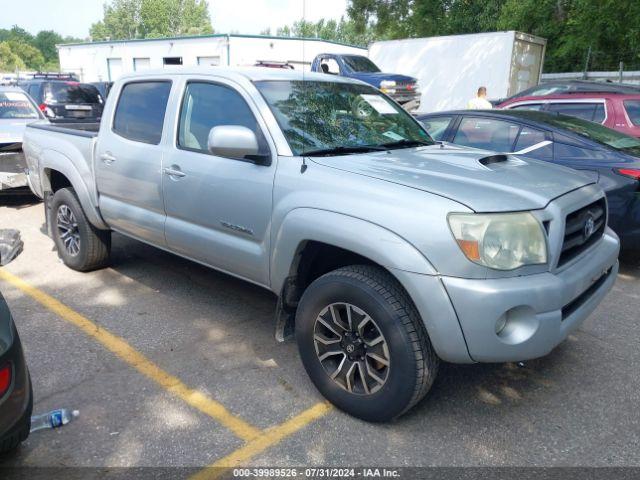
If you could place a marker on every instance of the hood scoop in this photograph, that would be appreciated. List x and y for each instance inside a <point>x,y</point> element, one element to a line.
<point>493,159</point>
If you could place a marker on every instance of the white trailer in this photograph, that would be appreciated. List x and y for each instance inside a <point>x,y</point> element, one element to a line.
<point>108,60</point>
<point>450,69</point>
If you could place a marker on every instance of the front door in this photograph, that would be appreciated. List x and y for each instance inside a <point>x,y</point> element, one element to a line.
<point>129,162</point>
<point>218,209</point>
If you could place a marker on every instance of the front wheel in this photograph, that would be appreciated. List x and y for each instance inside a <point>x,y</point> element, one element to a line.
<point>80,245</point>
<point>363,343</point>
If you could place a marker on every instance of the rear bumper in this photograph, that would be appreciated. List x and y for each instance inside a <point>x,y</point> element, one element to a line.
<point>538,311</point>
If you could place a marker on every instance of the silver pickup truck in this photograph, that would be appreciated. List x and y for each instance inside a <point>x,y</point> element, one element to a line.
<point>388,252</point>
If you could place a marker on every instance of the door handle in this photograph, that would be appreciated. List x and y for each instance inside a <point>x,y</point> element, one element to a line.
<point>174,171</point>
<point>107,158</point>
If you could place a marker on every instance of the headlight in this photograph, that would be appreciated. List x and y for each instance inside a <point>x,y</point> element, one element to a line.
<point>387,86</point>
<point>502,241</point>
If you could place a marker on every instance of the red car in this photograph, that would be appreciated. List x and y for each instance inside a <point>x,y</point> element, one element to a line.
<point>614,110</point>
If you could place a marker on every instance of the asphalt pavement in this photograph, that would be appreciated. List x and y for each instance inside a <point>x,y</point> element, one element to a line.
<point>174,364</point>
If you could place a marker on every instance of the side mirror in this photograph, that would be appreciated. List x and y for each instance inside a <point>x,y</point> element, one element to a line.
<point>235,141</point>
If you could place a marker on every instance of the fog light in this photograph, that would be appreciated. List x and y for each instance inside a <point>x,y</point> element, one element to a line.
<point>5,379</point>
<point>517,325</point>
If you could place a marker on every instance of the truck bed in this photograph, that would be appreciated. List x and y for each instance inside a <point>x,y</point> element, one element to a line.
<point>72,145</point>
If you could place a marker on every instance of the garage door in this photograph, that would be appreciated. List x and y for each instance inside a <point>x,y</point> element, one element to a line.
<point>115,68</point>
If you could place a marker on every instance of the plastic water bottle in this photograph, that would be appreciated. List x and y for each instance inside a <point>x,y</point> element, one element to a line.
<point>53,419</point>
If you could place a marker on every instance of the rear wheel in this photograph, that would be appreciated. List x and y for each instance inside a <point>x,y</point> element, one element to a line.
<point>363,343</point>
<point>80,245</point>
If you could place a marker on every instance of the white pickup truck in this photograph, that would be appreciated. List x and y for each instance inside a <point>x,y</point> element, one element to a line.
<point>388,252</point>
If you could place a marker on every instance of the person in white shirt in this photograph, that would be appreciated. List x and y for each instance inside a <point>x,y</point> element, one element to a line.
<point>480,102</point>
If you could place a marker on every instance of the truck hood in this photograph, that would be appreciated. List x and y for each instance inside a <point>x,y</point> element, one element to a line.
<point>483,181</point>
<point>377,77</point>
<point>11,131</point>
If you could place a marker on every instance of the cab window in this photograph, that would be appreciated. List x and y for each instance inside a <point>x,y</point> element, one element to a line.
<point>209,105</point>
<point>140,111</point>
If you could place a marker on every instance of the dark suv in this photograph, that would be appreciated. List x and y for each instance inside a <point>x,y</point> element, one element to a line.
<point>65,100</point>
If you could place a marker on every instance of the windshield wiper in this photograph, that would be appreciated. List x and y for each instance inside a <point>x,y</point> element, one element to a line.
<point>404,143</point>
<point>345,150</point>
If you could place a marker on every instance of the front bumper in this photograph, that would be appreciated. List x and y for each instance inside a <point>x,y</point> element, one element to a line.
<point>538,311</point>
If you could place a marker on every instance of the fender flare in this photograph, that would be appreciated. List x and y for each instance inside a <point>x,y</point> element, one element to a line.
<point>370,240</point>
<point>54,160</point>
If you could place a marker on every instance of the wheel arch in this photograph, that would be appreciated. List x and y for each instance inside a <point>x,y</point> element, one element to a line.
<point>58,172</point>
<point>306,228</point>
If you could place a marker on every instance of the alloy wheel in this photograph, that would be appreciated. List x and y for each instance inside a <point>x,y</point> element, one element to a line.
<point>68,230</point>
<point>351,348</point>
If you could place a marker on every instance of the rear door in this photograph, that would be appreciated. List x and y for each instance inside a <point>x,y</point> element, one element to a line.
<point>128,161</point>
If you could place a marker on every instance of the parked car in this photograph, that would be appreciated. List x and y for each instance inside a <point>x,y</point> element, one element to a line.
<point>614,110</point>
<point>387,252</point>
<point>104,88</point>
<point>16,395</point>
<point>16,111</point>
<point>612,158</point>
<point>573,86</point>
<point>65,100</point>
<point>402,88</point>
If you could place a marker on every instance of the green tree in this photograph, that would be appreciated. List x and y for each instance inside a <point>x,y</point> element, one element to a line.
<point>9,60</point>
<point>337,31</point>
<point>46,41</point>
<point>128,19</point>
<point>30,55</point>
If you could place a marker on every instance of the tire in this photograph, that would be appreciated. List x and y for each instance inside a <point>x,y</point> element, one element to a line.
<point>91,247</point>
<point>355,293</point>
<point>21,432</point>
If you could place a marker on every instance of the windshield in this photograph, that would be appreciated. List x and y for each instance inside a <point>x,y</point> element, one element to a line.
<point>321,116</point>
<point>16,105</point>
<point>72,92</point>
<point>598,133</point>
<point>358,63</point>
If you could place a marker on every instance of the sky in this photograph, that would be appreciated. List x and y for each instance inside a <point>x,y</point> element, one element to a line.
<point>74,17</point>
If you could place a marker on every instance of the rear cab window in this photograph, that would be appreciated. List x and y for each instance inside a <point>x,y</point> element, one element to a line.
<point>141,110</point>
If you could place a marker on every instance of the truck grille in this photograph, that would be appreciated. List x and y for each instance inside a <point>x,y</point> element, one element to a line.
<point>583,228</point>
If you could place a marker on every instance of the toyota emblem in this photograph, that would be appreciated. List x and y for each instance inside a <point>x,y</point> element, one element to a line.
<point>589,227</point>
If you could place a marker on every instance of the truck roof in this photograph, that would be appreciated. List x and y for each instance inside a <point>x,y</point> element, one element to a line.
<point>250,73</point>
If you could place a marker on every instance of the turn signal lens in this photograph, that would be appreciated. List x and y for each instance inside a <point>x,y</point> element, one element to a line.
<point>470,248</point>
<point>5,379</point>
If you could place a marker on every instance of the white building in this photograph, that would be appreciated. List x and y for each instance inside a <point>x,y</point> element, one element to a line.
<point>108,60</point>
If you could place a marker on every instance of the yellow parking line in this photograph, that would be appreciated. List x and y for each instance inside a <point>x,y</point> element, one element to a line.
<point>268,438</point>
<point>138,361</point>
